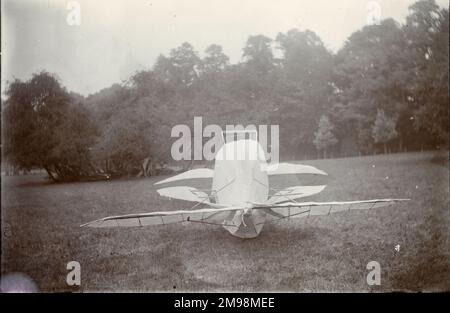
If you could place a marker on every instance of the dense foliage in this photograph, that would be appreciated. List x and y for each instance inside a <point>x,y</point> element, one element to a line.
<point>44,126</point>
<point>385,90</point>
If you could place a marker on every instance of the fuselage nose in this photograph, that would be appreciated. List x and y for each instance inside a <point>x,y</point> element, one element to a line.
<point>248,225</point>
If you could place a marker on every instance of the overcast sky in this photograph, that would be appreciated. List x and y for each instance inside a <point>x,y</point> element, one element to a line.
<point>116,38</point>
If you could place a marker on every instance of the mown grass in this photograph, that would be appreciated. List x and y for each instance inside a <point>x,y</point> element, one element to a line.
<point>41,234</point>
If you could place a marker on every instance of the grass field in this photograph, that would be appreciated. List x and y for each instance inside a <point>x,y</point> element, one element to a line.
<point>41,234</point>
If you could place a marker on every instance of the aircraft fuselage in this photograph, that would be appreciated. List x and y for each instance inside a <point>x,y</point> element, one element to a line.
<point>240,181</point>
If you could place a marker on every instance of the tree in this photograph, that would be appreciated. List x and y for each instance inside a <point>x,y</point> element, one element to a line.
<point>181,68</point>
<point>371,73</point>
<point>215,60</point>
<point>427,32</point>
<point>124,143</point>
<point>44,127</point>
<point>302,88</point>
<point>324,137</point>
<point>258,55</point>
<point>305,58</point>
<point>103,104</point>
<point>135,120</point>
<point>383,129</point>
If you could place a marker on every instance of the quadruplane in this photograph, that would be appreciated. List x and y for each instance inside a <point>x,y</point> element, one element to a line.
<point>240,199</point>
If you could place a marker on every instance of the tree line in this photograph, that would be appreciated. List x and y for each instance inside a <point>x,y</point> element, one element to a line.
<point>385,90</point>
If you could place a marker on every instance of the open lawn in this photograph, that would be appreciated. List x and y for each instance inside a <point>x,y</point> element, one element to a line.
<point>41,234</point>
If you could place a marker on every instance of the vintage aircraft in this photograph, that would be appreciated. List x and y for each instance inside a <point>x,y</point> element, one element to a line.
<point>239,199</point>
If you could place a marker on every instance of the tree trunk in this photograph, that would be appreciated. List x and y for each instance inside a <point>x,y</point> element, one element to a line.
<point>50,174</point>
<point>385,148</point>
<point>400,144</point>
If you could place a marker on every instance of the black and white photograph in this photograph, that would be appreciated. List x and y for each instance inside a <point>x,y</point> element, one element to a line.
<point>212,146</point>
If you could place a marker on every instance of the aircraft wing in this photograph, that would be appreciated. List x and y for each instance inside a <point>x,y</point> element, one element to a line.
<point>290,168</point>
<point>306,209</point>
<point>216,216</point>
<point>184,193</point>
<point>192,174</point>
<point>291,193</point>
<point>188,194</point>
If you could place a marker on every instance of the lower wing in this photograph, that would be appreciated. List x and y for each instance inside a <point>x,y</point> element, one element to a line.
<point>306,209</point>
<point>222,216</point>
<point>219,216</point>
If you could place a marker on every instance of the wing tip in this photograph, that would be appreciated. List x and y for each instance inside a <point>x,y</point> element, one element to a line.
<point>88,224</point>
<point>307,169</point>
<point>195,173</point>
<point>92,223</point>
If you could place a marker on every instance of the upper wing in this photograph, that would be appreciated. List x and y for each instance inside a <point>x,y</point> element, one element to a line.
<point>305,209</point>
<point>188,194</point>
<point>196,173</point>
<point>289,168</point>
<point>296,192</point>
<point>212,216</point>
<point>184,193</point>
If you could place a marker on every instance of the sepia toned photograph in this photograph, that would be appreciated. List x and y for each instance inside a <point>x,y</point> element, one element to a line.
<point>211,146</point>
